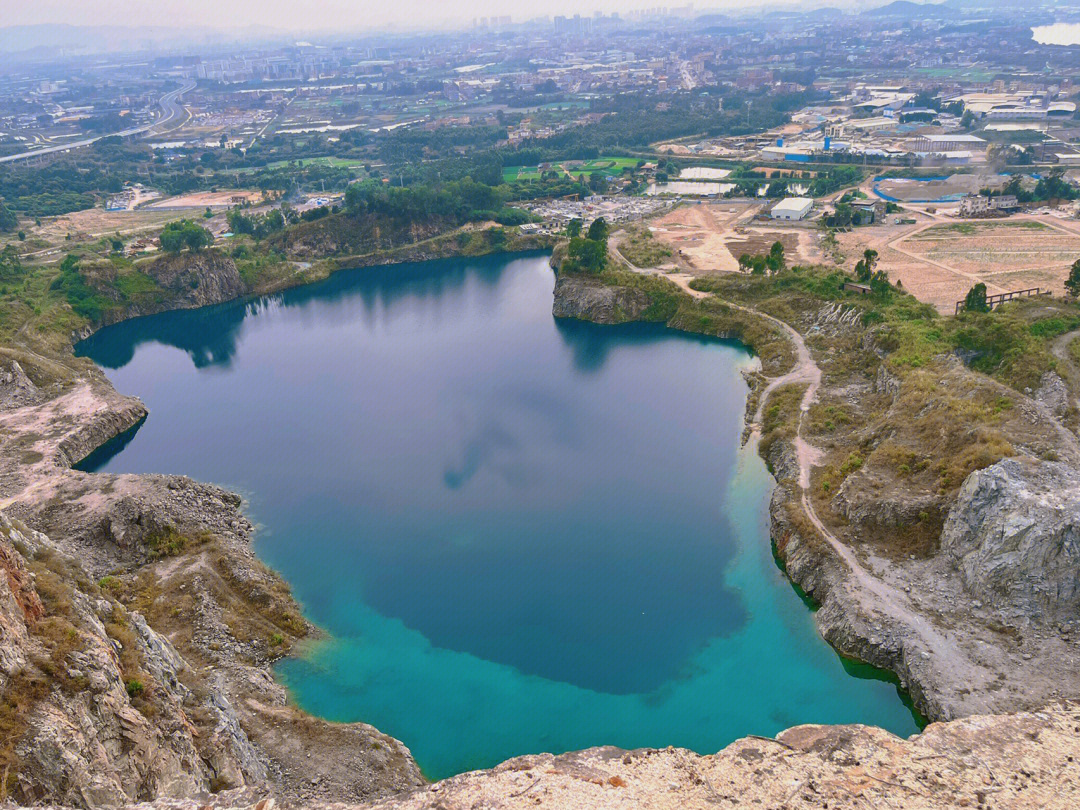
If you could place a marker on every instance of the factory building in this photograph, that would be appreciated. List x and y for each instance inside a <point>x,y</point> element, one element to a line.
<point>792,208</point>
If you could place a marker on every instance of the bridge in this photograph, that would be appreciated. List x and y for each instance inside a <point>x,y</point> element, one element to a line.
<point>170,110</point>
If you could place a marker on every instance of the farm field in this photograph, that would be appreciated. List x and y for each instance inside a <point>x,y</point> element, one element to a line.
<point>1000,250</point>
<point>938,261</point>
<point>610,166</point>
<point>57,235</point>
<point>208,199</point>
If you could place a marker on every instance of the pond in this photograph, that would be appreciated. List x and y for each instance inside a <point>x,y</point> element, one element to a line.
<point>520,534</point>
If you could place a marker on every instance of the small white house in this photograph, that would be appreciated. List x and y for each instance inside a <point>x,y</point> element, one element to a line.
<point>792,208</point>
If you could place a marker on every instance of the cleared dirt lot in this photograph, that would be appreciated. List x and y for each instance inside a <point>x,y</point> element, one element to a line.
<point>938,259</point>
<point>708,238</point>
<point>208,199</point>
<point>50,241</point>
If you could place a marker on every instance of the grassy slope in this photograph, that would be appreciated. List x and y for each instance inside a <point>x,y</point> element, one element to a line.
<point>898,414</point>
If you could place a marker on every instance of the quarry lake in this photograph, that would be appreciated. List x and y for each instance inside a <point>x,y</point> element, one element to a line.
<point>520,534</point>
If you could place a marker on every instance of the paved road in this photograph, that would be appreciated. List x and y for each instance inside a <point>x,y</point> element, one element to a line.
<point>170,111</point>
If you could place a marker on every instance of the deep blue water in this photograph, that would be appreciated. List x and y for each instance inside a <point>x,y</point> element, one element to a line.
<point>521,534</point>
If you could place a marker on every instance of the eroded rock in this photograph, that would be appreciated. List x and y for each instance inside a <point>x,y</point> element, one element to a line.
<point>1014,533</point>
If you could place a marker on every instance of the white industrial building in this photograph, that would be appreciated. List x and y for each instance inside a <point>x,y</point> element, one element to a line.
<point>953,142</point>
<point>792,208</point>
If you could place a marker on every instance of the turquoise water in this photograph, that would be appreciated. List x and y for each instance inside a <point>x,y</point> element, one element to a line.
<point>520,534</point>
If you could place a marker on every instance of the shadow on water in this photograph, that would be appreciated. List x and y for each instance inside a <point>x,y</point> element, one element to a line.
<point>100,457</point>
<point>591,343</point>
<point>210,335</point>
<point>868,672</point>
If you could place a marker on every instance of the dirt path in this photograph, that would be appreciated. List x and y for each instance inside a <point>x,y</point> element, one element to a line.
<point>1059,347</point>
<point>875,594</point>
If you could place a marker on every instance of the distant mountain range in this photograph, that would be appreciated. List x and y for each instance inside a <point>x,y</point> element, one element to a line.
<point>912,10</point>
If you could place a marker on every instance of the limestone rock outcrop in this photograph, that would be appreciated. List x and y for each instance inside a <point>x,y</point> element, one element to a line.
<point>1007,762</point>
<point>581,298</point>
<point>1014,533</point>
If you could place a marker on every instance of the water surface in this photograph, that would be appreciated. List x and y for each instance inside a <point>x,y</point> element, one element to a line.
<point>1057,34</point>
<point>521,534</point>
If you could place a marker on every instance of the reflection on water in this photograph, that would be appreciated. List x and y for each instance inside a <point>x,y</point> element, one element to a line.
<point>521,534</point>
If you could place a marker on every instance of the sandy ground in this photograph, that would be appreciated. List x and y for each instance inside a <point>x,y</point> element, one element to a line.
<point>213,199</point>
<point>939,258</point>
<point>86,226</point>
<point>708,238</point>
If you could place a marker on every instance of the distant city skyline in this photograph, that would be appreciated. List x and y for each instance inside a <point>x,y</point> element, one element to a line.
<point>327,15</point>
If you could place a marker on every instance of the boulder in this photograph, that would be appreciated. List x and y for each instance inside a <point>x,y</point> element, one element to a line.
<point>1014,533</point>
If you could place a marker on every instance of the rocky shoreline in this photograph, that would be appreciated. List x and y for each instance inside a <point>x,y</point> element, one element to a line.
<point>956,647</point>
<point>141,598</point>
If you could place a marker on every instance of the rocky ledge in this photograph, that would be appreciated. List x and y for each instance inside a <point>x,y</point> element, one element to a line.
<point>137,628</point>
<point>1013,762</point>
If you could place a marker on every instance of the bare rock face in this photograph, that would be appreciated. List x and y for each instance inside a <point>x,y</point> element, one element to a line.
<point>1053,394</point>
<point>16,389</point>
<point>94,709</point>
<point>1011,762</point>
<point>198,279</point>
<point>1014,532</point>
<point>588,300</point>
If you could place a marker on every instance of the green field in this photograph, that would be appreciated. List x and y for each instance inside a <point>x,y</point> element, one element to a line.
<point>342,163</point>
<point>971,74</point>
<point>610,166</point>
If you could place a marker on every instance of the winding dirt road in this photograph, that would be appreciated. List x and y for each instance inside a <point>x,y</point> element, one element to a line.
<point>883,597</point>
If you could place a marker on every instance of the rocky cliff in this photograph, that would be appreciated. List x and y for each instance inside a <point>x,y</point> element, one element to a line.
<point>1014,534</point>
<point>592,300</point>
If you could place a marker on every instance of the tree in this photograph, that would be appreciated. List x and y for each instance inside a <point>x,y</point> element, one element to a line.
<point>862,272</point>
<point>776,256</point>
<point>185,233</point>
<point>598,230</point>
<point>975,301</point>
<point>10,264</point>
<point>586,255</point>
<point>870,256</point>
<point>1072,283</point>
<point>573,228</point>
<point>8,220</point>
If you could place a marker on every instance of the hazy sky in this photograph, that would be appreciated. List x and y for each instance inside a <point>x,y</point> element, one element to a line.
<point>312,14</point>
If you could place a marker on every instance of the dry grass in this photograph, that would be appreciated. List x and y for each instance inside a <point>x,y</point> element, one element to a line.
<point>641,249</point>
